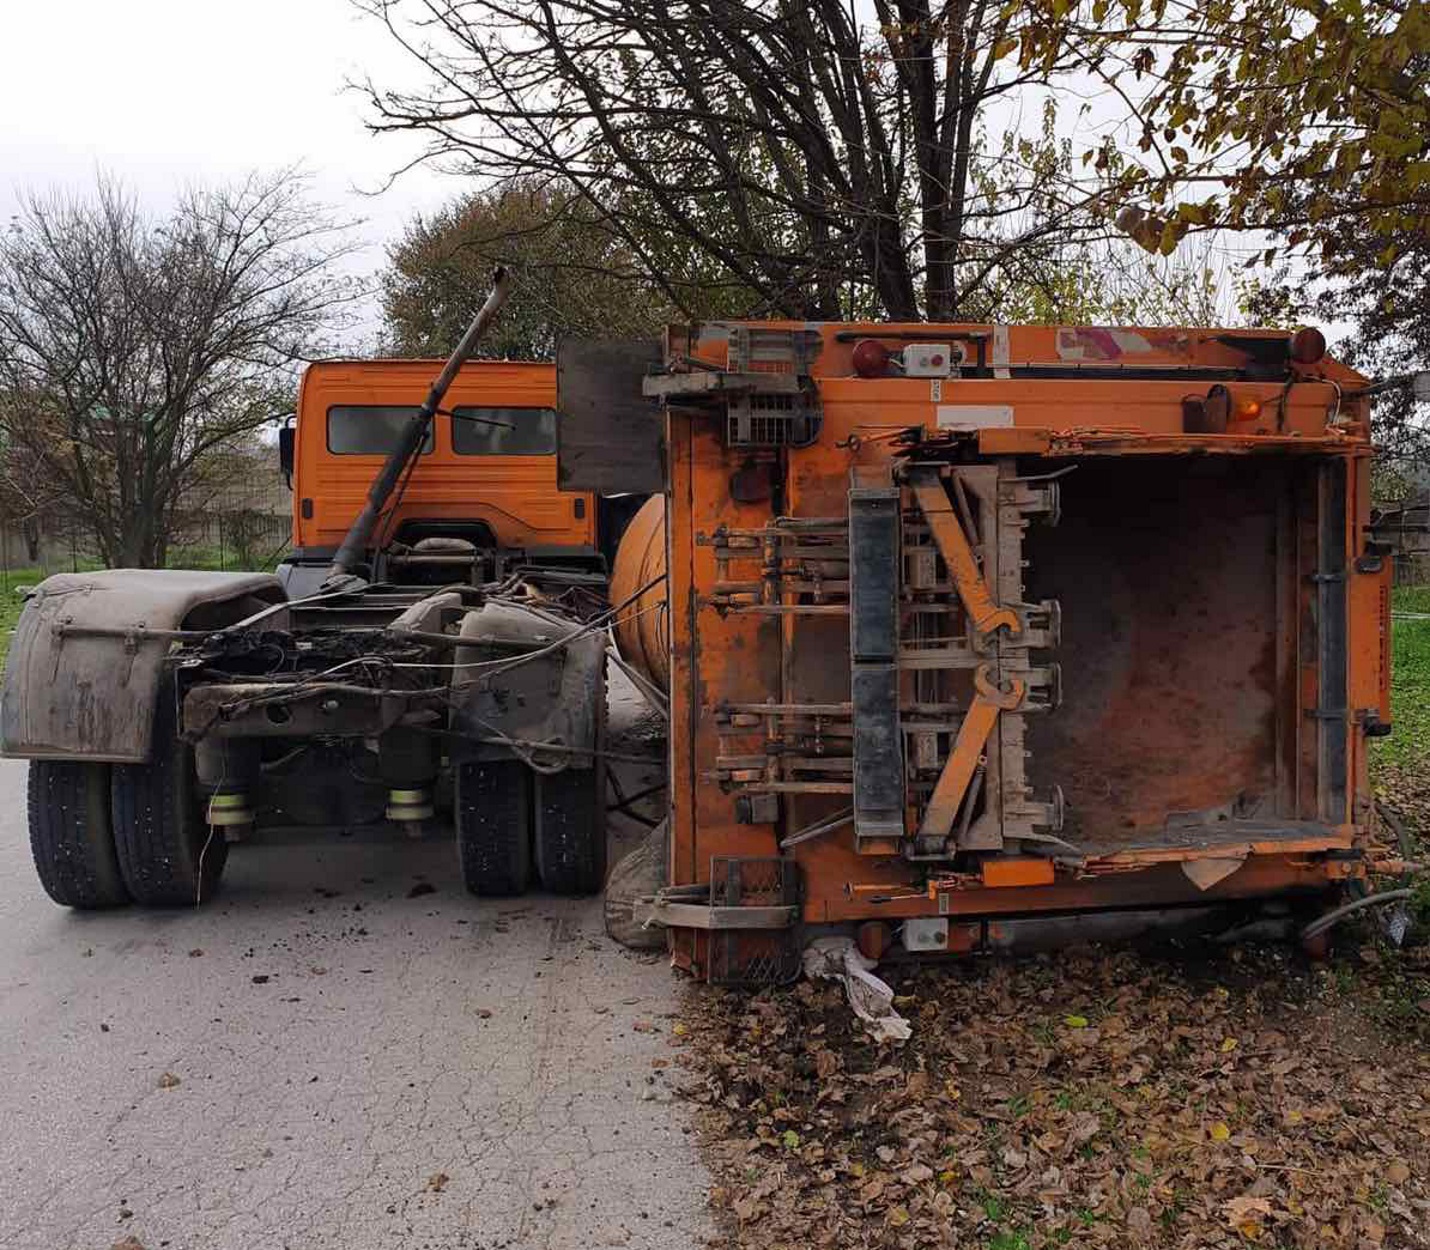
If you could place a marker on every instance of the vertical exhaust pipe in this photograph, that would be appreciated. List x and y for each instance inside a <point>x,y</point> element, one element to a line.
<point>359,535</point>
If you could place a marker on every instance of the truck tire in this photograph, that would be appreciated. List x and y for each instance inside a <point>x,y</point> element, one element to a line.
<point>571,830</point>
<point>492,802</point>
<point>168,854</point>
<point>71,839</point>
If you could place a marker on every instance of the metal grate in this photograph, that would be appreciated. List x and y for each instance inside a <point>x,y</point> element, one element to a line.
<point>754,958</point>
<point>753,881</point>
<point>751,958</point>
<point>772,421</point>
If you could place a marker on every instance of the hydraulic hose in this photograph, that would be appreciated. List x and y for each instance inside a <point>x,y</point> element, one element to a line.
<point>1321,923</point>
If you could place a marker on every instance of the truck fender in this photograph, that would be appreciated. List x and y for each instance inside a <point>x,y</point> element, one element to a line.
<point>89,654</point>
<point>557,696</point>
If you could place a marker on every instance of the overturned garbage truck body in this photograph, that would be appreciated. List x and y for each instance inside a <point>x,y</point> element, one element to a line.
<point>424,663</point>
<point>980,635</point>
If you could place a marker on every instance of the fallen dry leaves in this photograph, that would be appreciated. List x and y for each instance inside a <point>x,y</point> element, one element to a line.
<point>1090,1098</point>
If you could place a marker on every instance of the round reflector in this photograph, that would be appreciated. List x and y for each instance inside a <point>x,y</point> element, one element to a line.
<point>1308,345</point>
<point>871,358</point>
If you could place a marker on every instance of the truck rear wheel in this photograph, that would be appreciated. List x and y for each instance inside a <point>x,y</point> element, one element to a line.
<point>71,839</point>
<point>168,854</point>
<point>571,830</point>
<point>492,800</point>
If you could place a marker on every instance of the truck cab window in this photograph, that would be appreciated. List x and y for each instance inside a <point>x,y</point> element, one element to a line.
<point>504,431</point>
<point>369,429</point>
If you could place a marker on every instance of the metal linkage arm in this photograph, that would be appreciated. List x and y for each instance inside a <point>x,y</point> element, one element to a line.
<point>968,747</point>
<point>983,610</point>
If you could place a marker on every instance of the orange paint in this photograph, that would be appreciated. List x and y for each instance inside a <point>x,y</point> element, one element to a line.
<point>515,496</point>
<point>1198,718</point>
<point>1016,871</point>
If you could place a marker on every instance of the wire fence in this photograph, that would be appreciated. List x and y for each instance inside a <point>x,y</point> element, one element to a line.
<point>237,541</point>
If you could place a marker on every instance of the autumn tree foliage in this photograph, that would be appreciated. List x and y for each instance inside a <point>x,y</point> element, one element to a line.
<point>1305,119</point>
<point>576,276</point>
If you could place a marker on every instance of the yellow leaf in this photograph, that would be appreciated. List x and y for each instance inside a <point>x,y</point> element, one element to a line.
<point>1249,1229</point>
<point>1219,1131</point>
<point>1075,1022</point>
<point>947,1177</point>
<point>1228,1044</point>
<point>680,1030</point>
<point>899,1216</point>
<point>1172,233</point>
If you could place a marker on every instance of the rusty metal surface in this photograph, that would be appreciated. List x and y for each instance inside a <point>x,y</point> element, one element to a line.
<point>968,748</point>
<point>953,546</point>
<point>1186,733</point>
<point>279,710</point>
<point>1166,571</point>
<point>92,696</point>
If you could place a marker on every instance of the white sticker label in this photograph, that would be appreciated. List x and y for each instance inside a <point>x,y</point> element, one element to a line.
<point>936,390</point>
<point>974,416</point>
<point>1000,351</point>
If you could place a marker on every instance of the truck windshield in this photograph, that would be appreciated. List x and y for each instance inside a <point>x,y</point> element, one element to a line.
<point>521,432</point>
<point>369,429</point>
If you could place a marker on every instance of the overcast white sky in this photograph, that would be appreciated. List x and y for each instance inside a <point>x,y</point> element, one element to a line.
<point>163,92</point>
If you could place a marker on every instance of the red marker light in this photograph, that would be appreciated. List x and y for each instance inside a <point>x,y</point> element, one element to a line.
<point>871,359</point>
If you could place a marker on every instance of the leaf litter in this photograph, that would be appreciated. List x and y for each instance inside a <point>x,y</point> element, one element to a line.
<point>1103,1098</point>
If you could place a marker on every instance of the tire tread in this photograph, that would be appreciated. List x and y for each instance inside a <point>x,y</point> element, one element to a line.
<point>492,813</point>
<point>168,855</point>
<point>71,839</point>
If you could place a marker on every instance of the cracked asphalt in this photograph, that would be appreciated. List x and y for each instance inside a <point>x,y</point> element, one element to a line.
<point>359,1064</point>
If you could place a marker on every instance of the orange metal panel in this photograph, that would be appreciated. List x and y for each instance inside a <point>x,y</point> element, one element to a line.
<point>517,496</point>
<point>1012,871</point>
<point>1208,674</point>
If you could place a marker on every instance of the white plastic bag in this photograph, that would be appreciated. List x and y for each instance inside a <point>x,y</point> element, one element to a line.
<point>838,959</point>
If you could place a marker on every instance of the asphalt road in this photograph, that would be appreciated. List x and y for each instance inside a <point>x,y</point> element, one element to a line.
<point>329,1055</point>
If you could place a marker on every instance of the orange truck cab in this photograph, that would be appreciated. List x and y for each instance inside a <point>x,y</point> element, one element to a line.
<point>483,498</point>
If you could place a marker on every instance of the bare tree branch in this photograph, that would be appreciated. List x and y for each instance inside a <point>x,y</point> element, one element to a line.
<point>132,347</point>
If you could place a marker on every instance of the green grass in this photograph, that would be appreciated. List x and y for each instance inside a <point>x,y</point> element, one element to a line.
<point>1409,744</point>
<point>14,582</point>
<point>1411,599</point>
<point>10,605</point>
